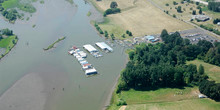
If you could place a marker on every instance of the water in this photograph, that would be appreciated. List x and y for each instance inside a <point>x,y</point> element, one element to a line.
<point>54,19</point>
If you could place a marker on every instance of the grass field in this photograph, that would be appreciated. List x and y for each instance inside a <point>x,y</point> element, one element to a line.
<point>8,44</point>
<point>193,104</point>
<point>164,99</point>
<point>211,70</point>
<point>24,5</point>
<point>138,16</point>
<point>10,4</point>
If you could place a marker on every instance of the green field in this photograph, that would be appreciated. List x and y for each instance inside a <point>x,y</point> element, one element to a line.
<point>10,4</point>
<point>22,5</point>
<point>8,43</point>
<point>164,99</point>
<point>193,104</point>
<point>211,70</point>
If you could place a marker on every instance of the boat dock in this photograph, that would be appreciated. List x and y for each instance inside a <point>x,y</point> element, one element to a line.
<point>80,56</point>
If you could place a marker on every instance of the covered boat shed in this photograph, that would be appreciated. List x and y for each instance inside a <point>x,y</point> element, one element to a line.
<point>89,48</point>
<point>104,46</point>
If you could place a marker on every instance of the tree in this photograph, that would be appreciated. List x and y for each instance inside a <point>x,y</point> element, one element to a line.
<point>179,9</point>
<point>112,36</point>
<point>113,4</point>
<point>197,3</point>
<point>200,11</point>
<point>123,36</point>
<point>163,34</point>
<point>194,12</point>
<point>201,69</point>
<point>175,3</point>
<point>106,34</point>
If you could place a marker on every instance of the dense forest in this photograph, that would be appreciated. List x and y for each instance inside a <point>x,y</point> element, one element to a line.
<point>164,64</point>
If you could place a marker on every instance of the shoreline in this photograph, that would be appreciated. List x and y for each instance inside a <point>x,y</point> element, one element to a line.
<point>6,53</point>
<point>94,11</point>
<point>107,103</point>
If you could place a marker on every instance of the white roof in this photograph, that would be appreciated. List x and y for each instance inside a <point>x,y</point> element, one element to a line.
<point>90,71</point>
<point>90,48</point>
<point>103,46</point>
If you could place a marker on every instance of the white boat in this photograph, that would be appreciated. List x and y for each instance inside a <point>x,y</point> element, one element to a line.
<point>71,52</point>
<point>80,59</point>
<point>91,71</point>
<point>83,62</point>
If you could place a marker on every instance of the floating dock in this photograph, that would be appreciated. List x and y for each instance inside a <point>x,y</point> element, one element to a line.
<point>104,47</point>
<point>80,56</point>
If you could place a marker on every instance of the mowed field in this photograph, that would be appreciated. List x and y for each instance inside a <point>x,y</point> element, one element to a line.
<point>140,17</point>
<point>165,99</point>
<point>211,70</point>
<point>193,104</point>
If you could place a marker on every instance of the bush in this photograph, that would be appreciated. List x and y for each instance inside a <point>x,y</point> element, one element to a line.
<point>175,3</point>
<point>121,102</point>
<point>114,5</point>
<point>111,11</point>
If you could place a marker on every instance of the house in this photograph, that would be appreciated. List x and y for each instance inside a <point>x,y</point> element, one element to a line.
<point>149,38</point>
<point>218,23</point>
<point>201,18</point>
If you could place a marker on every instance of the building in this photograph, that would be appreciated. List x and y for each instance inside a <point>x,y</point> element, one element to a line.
<point>218,23</point>
<point>104,46</point>
<point>149,38</point>
<point>91,71</point>
<point>90,48</point>
<point>202,18</point>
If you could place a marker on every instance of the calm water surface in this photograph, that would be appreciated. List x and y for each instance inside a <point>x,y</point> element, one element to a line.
<point>54,19</point>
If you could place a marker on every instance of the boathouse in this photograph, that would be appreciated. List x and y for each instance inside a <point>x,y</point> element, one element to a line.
<point>104,46</point>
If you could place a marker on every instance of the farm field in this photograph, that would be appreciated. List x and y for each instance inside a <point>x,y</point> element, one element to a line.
<point>138,16</point>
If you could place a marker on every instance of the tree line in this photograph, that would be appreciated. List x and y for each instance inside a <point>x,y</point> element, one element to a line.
<point>164,64</point>
<point>214,6</point>
<point>5,32</point>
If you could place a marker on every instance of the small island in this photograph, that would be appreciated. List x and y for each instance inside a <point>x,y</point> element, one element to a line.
<point>52,45</point>
<point>7,41</point>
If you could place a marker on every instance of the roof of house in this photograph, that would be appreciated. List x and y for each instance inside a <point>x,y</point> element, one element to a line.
<point>149,37</point>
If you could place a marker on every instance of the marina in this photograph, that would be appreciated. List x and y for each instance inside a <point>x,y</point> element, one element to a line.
<point>80,55</point>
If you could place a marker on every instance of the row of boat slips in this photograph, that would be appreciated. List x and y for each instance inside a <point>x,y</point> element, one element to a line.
<point>92,50</point>
<point>80,56</point>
